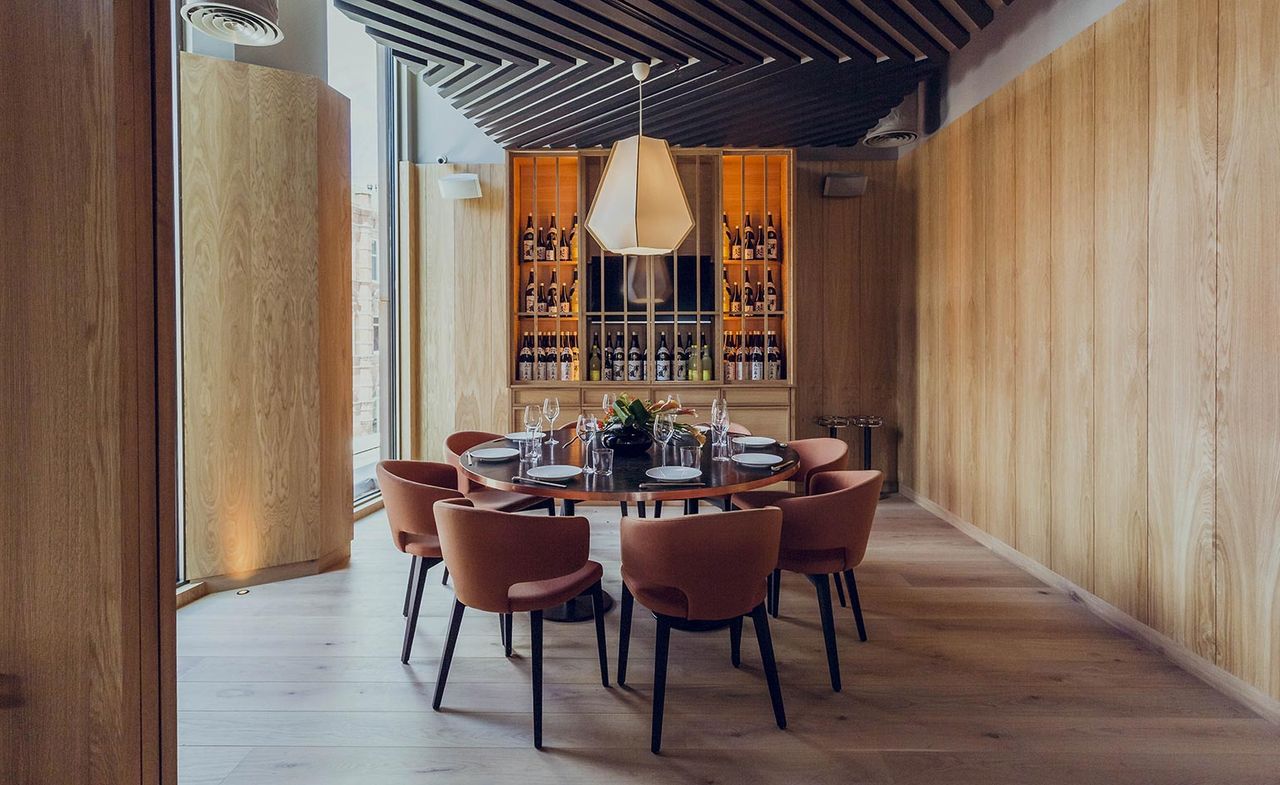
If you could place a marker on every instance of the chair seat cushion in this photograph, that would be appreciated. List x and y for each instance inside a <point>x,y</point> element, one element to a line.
<point>816,562</point>
<point>426,545</point>
<point>666,600</point>
<point>754,500</point>
<point>503,501</point>
<point>539,595</point>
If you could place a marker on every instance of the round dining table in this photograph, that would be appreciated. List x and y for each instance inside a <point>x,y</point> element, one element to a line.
<point>629,482</point>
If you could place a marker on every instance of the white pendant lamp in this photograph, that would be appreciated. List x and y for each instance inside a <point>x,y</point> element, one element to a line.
<point>640,208</point>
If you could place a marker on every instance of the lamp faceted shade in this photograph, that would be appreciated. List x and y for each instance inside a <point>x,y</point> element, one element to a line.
<point>640,207</point>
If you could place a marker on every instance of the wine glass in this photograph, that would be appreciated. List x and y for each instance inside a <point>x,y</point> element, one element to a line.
<point>664,427</point>
<point>533,420</point>
<point>720,427</point>
<point>551,410</point>
<point>587,427</point>
<point>607,403</point>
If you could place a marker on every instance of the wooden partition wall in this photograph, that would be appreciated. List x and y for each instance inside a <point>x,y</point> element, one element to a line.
<point>1092,373</point>
<point>266,318</point>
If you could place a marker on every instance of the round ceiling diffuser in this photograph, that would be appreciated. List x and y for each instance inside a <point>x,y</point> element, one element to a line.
<point>242,22</point>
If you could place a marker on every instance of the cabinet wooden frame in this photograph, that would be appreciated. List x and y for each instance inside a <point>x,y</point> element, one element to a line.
<point>588,322</point>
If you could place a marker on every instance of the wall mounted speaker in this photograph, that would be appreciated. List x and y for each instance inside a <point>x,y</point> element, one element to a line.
<point>844,185</point>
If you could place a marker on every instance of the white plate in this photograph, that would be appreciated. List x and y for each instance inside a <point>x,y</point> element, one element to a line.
<point>674,473</point>
<point>553,472</point>
<point>494,454</point>
<point>703,428</point>
<point>520,436</point>
<point>760,459</point>
<point>754,441</point>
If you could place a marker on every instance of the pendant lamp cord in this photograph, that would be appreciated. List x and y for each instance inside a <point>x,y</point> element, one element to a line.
<point>640,87</point>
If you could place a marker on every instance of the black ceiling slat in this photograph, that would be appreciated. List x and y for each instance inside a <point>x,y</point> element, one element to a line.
<point>865,28</point>
<point>906,27</point>
<point>942,21</point>
<point>707,18</point>
<point>818,27</point>
<point>404,22</point>
<point>736,72</point>
<point>978,11</point>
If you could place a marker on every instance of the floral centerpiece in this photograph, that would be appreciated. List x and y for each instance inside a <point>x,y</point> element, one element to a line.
<point>628,425</point>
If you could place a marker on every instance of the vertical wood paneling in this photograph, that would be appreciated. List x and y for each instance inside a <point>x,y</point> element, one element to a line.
<point>1032,185</point>
<point>809,321</point>
<point>1120,310</point>
<point>1182,306</point>
<point>267,318</point>
<point>1248,371</point>
<point>1071,342</point>
<point>999,348</point>
<point>874,316</point>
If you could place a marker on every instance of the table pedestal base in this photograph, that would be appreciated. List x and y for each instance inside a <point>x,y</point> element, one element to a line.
<point>577,609</point>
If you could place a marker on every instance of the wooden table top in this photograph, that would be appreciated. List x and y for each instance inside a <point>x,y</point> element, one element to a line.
<point>721,477</point>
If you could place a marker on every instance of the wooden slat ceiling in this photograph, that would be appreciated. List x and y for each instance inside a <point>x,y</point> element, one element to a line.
<point>551,73</point>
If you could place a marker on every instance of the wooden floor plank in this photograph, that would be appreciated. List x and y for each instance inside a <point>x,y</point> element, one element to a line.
<point>973,671</point>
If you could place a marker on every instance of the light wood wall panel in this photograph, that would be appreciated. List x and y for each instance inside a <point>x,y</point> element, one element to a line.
<point>847,305</point>
<point>460,278</point>
<point>1032,184</point>
<point>87,564</point>
<point>1120,310</point>
<point>1248,372</point>
<point>1071,310</point>
<point>266,320</point>
<point>1182,307</point>
<point>1145,382</point>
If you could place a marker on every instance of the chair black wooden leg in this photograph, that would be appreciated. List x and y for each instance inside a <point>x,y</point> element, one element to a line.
<point>624,633</point>
<point>839,581</point>
<point>623,505</point>
<point>659,681</point>
<point>856,603</point>
<point>691,507</point>
<point>640,508</point>
<point>597,609</point>
<point>510,640</point>
<point>726,504</point>
<point>657,508</point>
<point>823,585</point>
<point>735,642</point>
<point>408,590</point>
<point>777,592</point>
<point>411,621</point>
<point>450,640</point>
<point>770,666</point>
<point>444,580</point>
<point>535,629</point>
<point>569,506</point>
<point>551,506</point>
<point>504,630</point>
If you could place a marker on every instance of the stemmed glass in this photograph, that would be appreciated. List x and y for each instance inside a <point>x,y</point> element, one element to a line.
<point>719,428</point>
<point>587,427</point>
<point>551,410</point>
<point>607,403</point>
<point>664,427</point>
<point>533,420</point>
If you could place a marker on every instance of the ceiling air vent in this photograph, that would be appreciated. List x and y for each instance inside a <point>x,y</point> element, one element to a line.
<point>242,22</point>
<point>898,128</point>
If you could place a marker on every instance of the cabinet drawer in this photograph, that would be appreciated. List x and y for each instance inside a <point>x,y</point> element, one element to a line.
<point>761,396</point>
<point>762,421</point>
<point>526,395</point>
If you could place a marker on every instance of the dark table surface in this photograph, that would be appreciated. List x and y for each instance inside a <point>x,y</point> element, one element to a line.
<point>721,477</point>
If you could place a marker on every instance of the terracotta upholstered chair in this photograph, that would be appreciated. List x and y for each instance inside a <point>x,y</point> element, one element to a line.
<point>700,573</point>
<point>504,563</point>
<point>488,498</point>
<point>409,491</point>
<point>816,455</point>
<point>826,532</point>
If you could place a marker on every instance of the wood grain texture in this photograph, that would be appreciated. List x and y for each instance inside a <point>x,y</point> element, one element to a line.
<point>1120,310</point>
<point>1032,184</point>
<point>464,352</point>
<point>86,659</point>
<point>1248,371</point>
<point>1071,339</point>
<point>979,670</point>
<point>1182,294</point>
<point>266,317</point>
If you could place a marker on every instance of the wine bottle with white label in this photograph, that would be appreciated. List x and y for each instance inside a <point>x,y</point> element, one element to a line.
<point>528,241</point>
<point>772,243</point>
<point>662,371</point>
<point>635,362</point>
<point>530,295</point>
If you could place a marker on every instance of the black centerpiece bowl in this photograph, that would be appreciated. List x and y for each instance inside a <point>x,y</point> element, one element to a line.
<point>627,439</point>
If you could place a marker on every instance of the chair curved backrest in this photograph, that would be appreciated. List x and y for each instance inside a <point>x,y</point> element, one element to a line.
<point>735,429</point>
<point>823,454</point>
<point>718,562</point>
<point>409,491</point>
<point>455,444</point>
<point>836,515</point>
<point>488,551</point>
